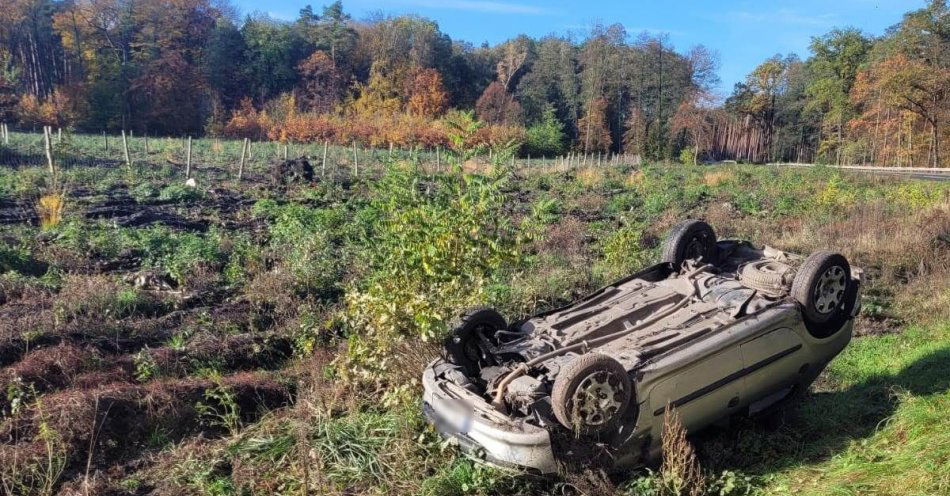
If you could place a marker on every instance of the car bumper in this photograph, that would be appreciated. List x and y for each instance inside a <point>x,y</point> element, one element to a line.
<point>482,432</point>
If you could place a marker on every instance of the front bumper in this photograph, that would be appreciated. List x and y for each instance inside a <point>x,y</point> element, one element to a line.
<point>482,432</point>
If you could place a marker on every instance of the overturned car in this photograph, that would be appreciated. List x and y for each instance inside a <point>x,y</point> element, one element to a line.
<point>717,328</point>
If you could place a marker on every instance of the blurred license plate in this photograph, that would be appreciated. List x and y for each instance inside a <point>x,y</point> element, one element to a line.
<point>459,416</point>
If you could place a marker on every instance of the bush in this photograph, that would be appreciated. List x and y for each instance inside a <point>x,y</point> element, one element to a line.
<point>546,138</point>
<point>179,193</point>
<point>687,156</point>
<point>308,242</point>
<point>14,258</point>
<point>430,255</point>
<point>623,253</point>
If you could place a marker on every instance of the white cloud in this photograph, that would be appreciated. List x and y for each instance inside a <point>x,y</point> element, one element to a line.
<point>479,6</point>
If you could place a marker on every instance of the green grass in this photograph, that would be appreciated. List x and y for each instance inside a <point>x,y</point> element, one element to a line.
<point>890,408</point>
<point>376,265</point>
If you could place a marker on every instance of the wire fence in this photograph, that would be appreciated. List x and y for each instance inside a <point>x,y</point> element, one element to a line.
<point>232,157</point>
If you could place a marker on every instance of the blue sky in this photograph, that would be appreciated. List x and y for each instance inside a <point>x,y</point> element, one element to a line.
<point>744,32</point>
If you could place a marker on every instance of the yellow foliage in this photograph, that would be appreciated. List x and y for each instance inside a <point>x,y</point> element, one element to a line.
<point>50,208</point>
<point>590,177</point>
<point>914,195</point>
<point>715,178</point>
<point>834,195</point>
<point>634,179</point>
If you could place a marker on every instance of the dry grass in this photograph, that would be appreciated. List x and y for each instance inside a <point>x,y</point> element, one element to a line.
<point>680,472</point>
<point>590,177</point>
<point>634,179</point>
<point>50,209</point>
<point>717,177</point>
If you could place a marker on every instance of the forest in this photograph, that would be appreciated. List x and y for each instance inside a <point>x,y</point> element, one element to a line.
<point>174,67</point>
<point>238,295</point>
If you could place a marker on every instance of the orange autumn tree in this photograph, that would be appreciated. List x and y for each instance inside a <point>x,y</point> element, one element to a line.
<point>322,83</point>
<point>592,127</point>
<point>427,95</point>
<point>497,106</point>
<point>901,87</point>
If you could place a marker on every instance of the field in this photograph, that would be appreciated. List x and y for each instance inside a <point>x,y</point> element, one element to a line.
<point>265,336</point>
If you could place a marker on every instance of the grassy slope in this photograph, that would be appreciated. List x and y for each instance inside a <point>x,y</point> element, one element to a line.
<point>873,425</point>
<point>907,452</point>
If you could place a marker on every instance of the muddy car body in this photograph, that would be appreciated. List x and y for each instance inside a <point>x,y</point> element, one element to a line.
<point>718,328</point>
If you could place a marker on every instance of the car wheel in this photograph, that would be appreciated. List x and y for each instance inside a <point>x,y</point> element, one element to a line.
<point>471,332</point>
<point>824,289</point>
<point>690,240</point>
<point>591,393</point>
<point>766,275</point>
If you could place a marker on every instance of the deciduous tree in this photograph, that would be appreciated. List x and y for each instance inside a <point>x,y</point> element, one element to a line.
<point>322,83</point>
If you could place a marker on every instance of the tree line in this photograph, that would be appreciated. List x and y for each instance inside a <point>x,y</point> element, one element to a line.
<point>172,67</point>
<point>857,99</point>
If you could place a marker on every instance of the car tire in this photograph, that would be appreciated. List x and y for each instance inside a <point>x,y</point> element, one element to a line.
<point>467,331</point>
<point>582,378</point>
<point>766,275</point>
<point>825,291</point>
<point>692,239</point>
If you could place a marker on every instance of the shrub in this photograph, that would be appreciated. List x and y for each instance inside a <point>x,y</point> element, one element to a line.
<point>546,138</point>
<point>177,253</point>
<point>14,258</point>
<point>430,255</point>
<point>623,253</point>
<point>179,193</point>
<point>50,209</point>
<point>308,243</point>
<point>687,156</point>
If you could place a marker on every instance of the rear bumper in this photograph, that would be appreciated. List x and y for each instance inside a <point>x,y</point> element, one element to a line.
<point>483,433</point>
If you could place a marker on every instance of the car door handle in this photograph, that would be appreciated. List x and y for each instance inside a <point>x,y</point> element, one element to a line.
<point>733,402</point>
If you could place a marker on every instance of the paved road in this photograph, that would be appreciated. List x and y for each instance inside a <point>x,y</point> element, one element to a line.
<point>923,174</point>
<point>928,176</point>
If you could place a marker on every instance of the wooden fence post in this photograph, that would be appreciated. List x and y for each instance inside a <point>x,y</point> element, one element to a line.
<point>49,149</point>
<point>188,160</point>
<point>356,161</point>
<point>438,158</point>
<point>146,146</point>
<point>59,135</point>
<point>323,167</point>
<point>244,149</point>
<point>106,139</point>
<point>125,148</point>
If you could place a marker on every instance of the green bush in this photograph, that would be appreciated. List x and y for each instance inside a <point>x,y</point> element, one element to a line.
<point>546,138</point>
<point>179,193</point>
<point>432,253</point>
<point>14,258</point>
<point>623,253</point>
<point>309,243</point>
<point>687,156</point>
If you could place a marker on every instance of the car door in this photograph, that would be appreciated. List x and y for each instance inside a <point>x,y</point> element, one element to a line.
<point>771,362</point>
<point>701,391</point>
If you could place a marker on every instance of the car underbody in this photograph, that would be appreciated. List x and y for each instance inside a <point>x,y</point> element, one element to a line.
<point>709,336</point>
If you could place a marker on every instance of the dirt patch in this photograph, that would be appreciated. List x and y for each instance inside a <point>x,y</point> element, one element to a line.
<point>297,170</point>
<point>115,423</point>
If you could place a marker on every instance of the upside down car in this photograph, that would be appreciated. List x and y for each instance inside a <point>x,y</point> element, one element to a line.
<point>716,329</point>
